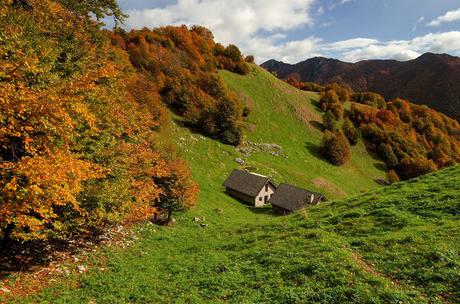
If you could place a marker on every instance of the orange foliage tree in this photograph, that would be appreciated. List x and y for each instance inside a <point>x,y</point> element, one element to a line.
<point>183,62</point>
<point>78,148</point>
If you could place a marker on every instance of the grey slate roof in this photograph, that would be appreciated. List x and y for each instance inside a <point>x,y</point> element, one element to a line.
<point>246,182</point>
<point>293,198</point>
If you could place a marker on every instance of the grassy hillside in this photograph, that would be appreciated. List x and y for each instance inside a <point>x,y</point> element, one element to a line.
<point>288,117</point>
<point>394,245</point>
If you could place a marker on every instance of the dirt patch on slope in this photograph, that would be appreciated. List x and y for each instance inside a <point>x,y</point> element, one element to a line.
<point>329,186</point>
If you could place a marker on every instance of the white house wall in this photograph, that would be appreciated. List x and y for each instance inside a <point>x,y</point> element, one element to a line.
<point>260,198</point>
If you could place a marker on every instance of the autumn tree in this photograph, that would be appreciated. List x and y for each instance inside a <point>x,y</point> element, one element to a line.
<point>183,62</point>
<point>330,102</point>
<point>411,139</point>
<point>369,98</point>
<point>249,59</point>
<point>335,147</point>
<point>311,86</point>
<point>343,92</point>
<point>178,193</point>
<point>78,149</point>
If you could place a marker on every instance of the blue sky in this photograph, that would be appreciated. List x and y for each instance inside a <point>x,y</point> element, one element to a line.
<point>295,30</point>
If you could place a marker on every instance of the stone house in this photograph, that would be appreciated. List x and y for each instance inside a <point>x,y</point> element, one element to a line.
<point>252,188</point>
<point>289,198</point>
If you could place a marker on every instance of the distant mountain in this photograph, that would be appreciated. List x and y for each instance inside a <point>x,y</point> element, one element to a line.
<point>431,79</point>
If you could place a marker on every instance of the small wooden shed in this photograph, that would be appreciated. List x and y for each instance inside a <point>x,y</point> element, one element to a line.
<point>289,198</point>
<point>249,187</point>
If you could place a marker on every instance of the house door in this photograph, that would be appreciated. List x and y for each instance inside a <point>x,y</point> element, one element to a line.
<point>266,199</point>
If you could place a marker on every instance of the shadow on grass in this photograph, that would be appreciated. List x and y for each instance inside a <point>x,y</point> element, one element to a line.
<point>317,125</point>
<point>191,128</point>
<point>17,257</point>
<point>380,166</point>
<point>314,150</point>
<point>267,209</point>
<point>316,104</point>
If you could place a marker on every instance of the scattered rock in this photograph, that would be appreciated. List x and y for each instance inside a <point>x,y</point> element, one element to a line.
<point>196,219</point>
<point>219,211</point>
<point>104,237</point>
<point>250,147</point>
<point>81,269</point>
<point>240,161</point>
<point>381,181</point>
<point>204,225</point>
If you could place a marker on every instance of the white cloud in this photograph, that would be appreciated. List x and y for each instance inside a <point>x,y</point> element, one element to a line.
<point>448,42</point>
<point>293,51</point>
<point>414,28</point>
<point>320,11</point>
<point>262,28</point>
<point>450,16</point>
<point>350,44</point>
<point>375,51</point>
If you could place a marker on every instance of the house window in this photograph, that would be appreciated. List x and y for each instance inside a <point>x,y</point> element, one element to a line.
<point>260,198</point>
<point>266,187</point>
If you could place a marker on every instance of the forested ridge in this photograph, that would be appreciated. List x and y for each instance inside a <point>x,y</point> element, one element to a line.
<point>411,139</point>
<point>80,109</point>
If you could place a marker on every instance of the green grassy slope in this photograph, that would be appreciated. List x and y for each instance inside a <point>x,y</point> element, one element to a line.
<point>393,245</point>
<point>286,116</point>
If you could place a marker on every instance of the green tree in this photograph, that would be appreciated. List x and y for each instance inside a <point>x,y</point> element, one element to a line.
<point>229,115</point>
<point>351,132</point>
<point>330,122</point>
<point>100,8</point>
<point>386,152</point>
